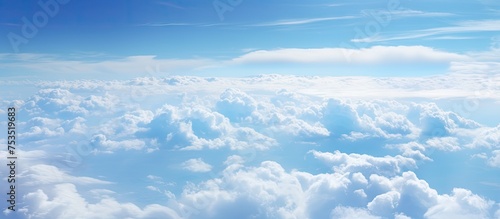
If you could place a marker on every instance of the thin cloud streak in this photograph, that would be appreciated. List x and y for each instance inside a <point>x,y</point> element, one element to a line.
<point>463,27</point>
<point>415,13</point>
<point>166,24</point>
<point>301,21</point>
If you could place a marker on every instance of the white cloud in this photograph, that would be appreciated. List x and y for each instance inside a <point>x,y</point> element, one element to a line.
<point>461,27</point>
<point>55,101</point>
<point>372,55</point>
<point>236,104</point>
<point>130,65</point>
<point>461,203</point>
<point>412,149</point>
<point>416,13</point>
<point>301,21</point>
<point>494,160</point>
<point>197,127</point>
<point>401,216</point>
<point>268,191</point>
<point>41,128</point>
<point>363,163</point>
<point>479,86</point>
<point>385,204</point>
<point>64,201</point>
<point>271,120</point>
<point>42,174</point>
<point>488,137</point>
<point>444,144</point>
<point>101,141</point>
<point>352,213</point>
<point>359,177</point>
<point>196,165</point>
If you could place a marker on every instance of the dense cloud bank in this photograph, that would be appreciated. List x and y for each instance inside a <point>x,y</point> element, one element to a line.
<point>262,147</point>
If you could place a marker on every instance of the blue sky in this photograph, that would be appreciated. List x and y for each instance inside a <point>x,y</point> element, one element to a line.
<point>253,109</point>
<point>212,34</point>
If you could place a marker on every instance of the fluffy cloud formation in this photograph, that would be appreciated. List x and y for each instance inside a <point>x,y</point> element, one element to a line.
<point>194,128</point>
<point>264,191</point>
<point>260,150</point>
<point>268,191</point>
<point>64,201</point>
<point>495,159</point>
<point>345,163</point>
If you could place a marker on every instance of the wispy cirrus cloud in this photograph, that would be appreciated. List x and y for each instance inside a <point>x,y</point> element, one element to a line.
<point>166,24</point>
<point>461,27</point>
<point>417,13</point>
<point>301,21</point>
<point>170,4</point>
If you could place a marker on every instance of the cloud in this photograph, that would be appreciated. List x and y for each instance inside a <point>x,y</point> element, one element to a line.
<point>166,24</point>
<point>101,141</point>
<point>460,204</point>
<point>236,105</point>
<point>40,128</point>
<point>256,127</point>
<point>459,28</point>
<point>42,174</point>
<point>196,165</point>
<point>268,191</point>
<point>476,67</point>
<point>340,117</point>
<point>494,161</point>
<point>385,204</point>
<point>196,128</point>
<point>372,55</point>
<point>341,212</point>
<point>363,163</point>
<point>130,65</point>
<point>64,104</point>
<point>417,13</point>
<point>301,21</point>
<point>444,144</point>
<point>170,4</point>
<point>64,201</point>
<point>55,102</point>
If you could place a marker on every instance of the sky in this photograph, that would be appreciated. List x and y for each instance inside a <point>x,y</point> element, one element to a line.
<point>241,38</point>
<point>251,109</point>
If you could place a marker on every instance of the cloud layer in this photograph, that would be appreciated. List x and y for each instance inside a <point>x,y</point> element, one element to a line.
<point>263,147</point>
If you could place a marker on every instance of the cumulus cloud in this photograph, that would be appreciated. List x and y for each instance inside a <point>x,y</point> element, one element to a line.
<point>461,203</point>
<point>494,160</point>
<point>55,101</point>
<point>64,201</point>
<point>343,162</point>
<point>197,128</point>
<point>268,191</point>
<point>291,147</point>
<point>196,165</point>
<point>103,142</point>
